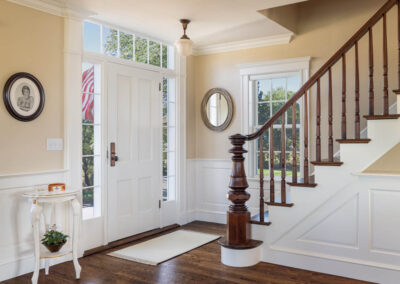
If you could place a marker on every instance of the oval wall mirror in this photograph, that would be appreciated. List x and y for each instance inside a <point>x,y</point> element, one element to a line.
<point>217,109</point>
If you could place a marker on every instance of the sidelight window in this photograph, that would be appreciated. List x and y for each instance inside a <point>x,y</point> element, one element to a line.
<point>91,140</point>
<point>169,141</point>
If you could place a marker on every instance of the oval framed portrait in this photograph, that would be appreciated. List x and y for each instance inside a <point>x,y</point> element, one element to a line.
<point>23,96</point>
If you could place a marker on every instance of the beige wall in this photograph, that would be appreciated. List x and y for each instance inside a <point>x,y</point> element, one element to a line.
<point>32,42</point>
<point>322,28</point>
<point>388,163</point>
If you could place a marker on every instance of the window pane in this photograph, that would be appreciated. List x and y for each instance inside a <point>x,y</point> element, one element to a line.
<point>165,139</point>
<point>165,189</point>
<point>277,139</point>
<point>141,49</point>
<point>88,197</point>
<point>293,85</point>
<point>289,165</point>
<point>165,56</point>
<point>87,108</point>
<point>264,90</point>
<point>87,139</point>
<point>154,53</point>
<point>266,163</point>
<point>289,115</point>
<point>165,169</point>
<point>125,45</point>
<point>87,172</point>
<point>265,137</point>
<point>91,37</point>
<point>275,108</point>
<point>279,89</point>
<point>110,41</point>
<point>264,113</point>
<point>289,140</point>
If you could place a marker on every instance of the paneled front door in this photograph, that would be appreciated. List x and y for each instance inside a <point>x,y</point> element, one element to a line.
<point>134,168</point>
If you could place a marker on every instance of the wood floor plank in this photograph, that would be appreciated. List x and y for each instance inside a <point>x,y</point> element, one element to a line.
<point>202,265</point>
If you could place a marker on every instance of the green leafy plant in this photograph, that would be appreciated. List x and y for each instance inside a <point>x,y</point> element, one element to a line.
<point>54,237</point>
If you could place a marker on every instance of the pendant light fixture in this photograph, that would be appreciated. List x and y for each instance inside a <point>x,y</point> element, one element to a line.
<point>184,44</point>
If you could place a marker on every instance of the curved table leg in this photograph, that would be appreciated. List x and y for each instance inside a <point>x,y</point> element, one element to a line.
<point>76,207</point>
<point>36,211</point>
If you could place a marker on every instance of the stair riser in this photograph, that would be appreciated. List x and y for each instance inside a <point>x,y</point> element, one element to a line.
<point>359,156</point>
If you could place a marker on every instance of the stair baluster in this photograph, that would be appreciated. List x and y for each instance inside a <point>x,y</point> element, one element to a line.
<point>283,158</point>
<point>385,69</point>
<point>261,166</point>
<point>330,118</point>
<point>305,166</point>
<point>271,166</point>
<point>318,132</point>
<point>294,142</point>
<point>344,126</point>
<point>357,96</point>
<point>371,72</point>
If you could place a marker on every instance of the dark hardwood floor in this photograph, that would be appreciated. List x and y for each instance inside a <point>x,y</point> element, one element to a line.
<point>201,265</point>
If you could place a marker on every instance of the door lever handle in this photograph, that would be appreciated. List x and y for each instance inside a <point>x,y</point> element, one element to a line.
<point>113,156</point>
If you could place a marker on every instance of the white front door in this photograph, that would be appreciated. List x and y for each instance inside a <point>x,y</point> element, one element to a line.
<point>134,125</point>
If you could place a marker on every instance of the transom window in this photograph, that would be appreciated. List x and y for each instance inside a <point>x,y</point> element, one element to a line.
<point>116,43</point>
<point>270,93</point>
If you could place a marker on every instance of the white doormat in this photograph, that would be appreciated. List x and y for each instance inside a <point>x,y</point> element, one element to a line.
<point>165,247</point>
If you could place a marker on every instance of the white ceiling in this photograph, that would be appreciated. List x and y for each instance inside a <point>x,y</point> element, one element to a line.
<point>213,21</point>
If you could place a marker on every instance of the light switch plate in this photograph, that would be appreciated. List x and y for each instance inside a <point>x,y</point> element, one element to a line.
<point>54,144</point>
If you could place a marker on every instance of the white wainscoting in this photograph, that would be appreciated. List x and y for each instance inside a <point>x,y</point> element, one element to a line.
<point>16,239</point>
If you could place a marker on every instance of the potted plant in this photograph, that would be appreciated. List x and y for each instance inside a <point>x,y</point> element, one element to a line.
<point>53,240</point>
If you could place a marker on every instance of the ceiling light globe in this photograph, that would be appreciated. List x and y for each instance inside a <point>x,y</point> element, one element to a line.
<point>184,46</point>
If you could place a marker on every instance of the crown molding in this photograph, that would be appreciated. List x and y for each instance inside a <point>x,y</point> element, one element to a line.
<point>55,8</point>
<point>243,44</point>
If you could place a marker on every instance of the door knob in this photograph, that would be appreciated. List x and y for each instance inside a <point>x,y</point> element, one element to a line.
<point>113,155</point>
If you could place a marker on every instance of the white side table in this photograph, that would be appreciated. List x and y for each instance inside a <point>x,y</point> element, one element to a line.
<point>38,199</point>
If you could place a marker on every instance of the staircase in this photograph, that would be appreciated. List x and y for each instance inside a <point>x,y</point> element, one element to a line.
<point>337,217</point>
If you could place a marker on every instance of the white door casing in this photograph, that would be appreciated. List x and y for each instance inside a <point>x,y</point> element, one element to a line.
<point>134,124</point>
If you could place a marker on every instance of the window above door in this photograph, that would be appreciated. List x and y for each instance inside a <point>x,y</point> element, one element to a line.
<point>110,41</point>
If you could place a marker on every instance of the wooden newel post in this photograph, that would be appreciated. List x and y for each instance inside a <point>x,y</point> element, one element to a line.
<point>238,217</point>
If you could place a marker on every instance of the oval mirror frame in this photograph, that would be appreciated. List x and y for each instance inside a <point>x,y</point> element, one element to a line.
<point>229,117</point>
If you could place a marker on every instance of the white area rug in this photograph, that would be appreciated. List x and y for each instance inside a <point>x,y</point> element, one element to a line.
<point>165,247</point>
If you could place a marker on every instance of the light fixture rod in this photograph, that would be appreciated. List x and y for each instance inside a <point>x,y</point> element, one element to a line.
<point>184,23</point>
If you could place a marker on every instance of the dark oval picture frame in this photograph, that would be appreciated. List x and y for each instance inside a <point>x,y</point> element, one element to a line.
<point>25,101</point>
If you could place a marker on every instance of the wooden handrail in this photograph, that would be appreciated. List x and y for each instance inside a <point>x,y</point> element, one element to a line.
<point>335,58</point>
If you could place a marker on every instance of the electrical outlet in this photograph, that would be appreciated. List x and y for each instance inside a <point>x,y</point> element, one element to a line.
<point>54,144</point>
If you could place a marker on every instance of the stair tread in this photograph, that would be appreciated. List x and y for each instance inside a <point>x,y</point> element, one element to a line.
<point>353,141</point>
<point>256,219</point>
<point>333,163</point>
<point>300,182</point>
<point>382,116</point>
<point>279,204</point>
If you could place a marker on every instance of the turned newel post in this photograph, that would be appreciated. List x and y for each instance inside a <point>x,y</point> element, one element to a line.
<point>238,217</point>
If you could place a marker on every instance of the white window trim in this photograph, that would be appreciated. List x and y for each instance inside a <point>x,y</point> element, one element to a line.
<point>251,71</point>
